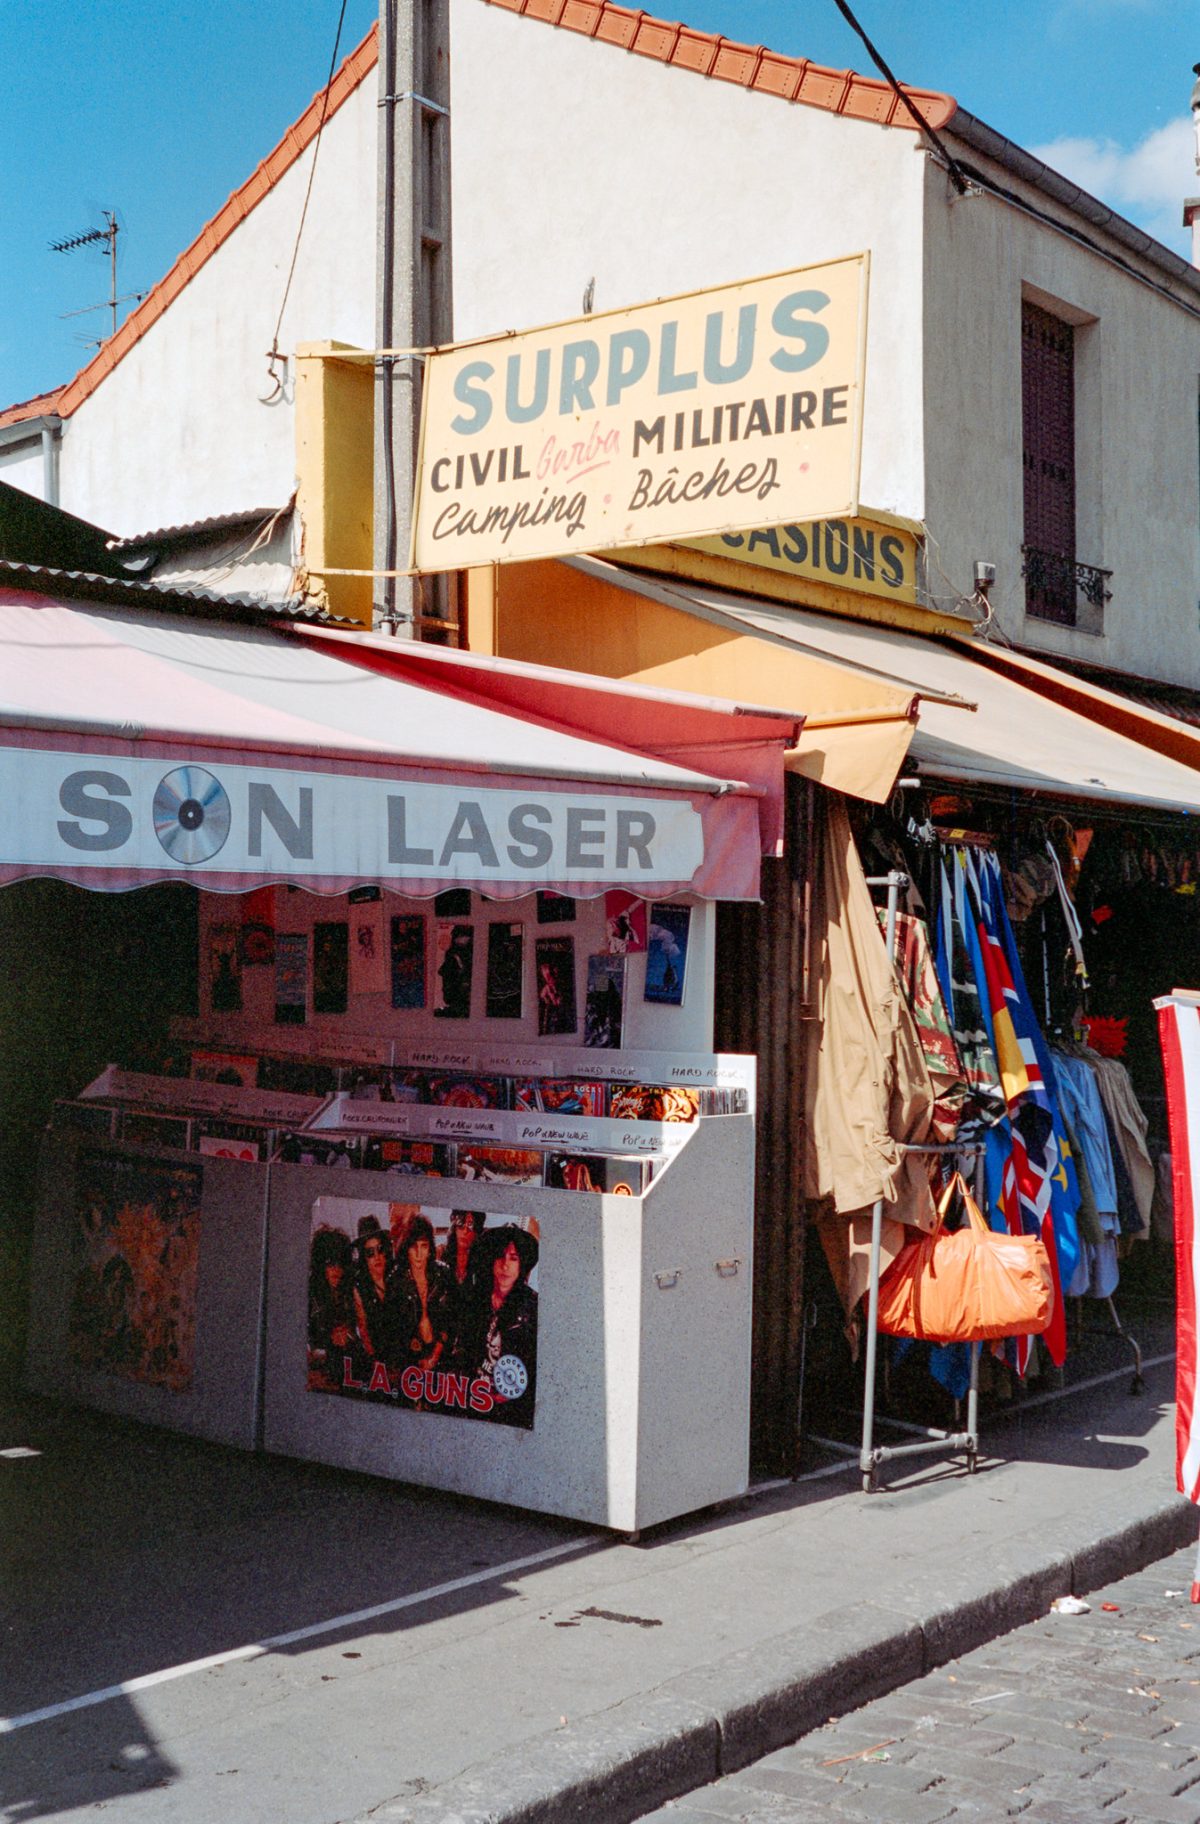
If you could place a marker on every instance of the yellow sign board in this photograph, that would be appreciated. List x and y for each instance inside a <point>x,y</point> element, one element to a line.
<point>866,555</point>
<point>684,418</point>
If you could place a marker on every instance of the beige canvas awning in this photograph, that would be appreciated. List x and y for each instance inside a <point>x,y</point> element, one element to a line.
<point>597,617</point>
<point>987,718</point>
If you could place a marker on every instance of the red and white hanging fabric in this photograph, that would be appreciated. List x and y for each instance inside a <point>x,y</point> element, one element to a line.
<point>1179,1037</point>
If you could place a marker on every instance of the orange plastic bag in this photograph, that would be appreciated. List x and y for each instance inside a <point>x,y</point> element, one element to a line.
<point>969,1286</point>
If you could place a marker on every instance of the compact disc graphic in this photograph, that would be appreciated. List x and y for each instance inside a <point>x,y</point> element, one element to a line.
<point>191,814</point>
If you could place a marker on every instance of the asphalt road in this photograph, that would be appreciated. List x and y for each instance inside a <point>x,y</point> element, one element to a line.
<point>1075,1719</point>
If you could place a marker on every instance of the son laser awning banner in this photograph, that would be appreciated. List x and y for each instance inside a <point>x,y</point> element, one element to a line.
<point>138,748</point>
<point>688,417</point>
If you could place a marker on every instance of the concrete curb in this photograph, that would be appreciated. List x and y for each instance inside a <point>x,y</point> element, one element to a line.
<point>620,1763</point>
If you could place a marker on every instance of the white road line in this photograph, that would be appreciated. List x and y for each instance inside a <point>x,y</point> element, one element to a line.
<point>257,1649</point>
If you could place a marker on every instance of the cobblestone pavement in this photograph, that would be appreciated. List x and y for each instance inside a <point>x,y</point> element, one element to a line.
<point>1075,1719</point>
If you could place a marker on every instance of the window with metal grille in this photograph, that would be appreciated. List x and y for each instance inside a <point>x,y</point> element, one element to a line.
<point>1048,448</point>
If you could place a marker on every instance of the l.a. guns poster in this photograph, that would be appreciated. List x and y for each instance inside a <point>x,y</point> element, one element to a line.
<point>433,1310</point>
<point>135,1250</point>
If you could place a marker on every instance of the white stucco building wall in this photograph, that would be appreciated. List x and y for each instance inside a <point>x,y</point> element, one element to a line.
<point>1137,358</point>
<point>22,465</point>
<point>178,431</point>
<point>573,159</point>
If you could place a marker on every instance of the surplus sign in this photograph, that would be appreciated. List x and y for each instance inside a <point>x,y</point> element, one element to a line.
<point>680,419</point>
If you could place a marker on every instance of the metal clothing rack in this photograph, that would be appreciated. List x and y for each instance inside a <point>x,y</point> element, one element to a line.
<point>930,1441</point>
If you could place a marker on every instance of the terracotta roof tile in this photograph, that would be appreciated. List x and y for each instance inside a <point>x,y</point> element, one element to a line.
<point>580,16</point>
<point>695,50</point>
<point>751,67</point>
<point>822,88</point>
<point>37,407</point>
<point>793,79</point>
<point>780,75</point>
<point>618,24</point>
<point>656,38</point>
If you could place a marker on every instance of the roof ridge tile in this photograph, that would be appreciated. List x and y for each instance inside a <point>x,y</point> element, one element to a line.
<point>751,66</point>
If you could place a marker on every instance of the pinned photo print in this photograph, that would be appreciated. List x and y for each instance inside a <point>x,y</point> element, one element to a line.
<point>666,957</point>
<point>454,965</point>
<point>555,970</point>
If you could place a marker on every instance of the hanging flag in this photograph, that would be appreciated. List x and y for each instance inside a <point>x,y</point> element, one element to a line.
<point>1040,1150</point>
<point>959,973</point>
<point>1065,1193</point>
<point>922,991</point>
<point>1179,1037</point>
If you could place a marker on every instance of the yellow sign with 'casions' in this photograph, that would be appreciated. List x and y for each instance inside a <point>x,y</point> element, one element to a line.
<point>867,555</point>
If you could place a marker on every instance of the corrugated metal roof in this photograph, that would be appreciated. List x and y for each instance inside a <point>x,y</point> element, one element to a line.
<point>216,522</point>
<point>123,591</point>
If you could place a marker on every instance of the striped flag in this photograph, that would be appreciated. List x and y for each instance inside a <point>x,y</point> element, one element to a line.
<point>1041,1171</point>
<point>1179,1037</point>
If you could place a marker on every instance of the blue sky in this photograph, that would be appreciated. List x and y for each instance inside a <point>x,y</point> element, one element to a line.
<point>160,111</point>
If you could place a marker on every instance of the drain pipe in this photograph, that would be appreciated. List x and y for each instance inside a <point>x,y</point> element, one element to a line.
<point>51,439</point>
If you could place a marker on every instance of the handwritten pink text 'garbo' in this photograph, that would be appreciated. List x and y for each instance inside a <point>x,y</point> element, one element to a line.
<point>571,460</point>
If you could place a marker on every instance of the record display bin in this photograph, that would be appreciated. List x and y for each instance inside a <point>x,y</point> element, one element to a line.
<point>643,1347</point>
<point>194,1283</point>
<point>147,1277</point>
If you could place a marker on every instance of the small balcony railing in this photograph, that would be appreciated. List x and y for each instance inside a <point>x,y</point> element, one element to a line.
<point>1055,587</point>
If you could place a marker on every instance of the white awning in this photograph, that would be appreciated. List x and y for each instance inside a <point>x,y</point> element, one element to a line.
<point>136,747</point>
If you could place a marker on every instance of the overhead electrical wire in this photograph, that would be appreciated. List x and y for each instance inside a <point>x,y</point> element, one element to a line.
<point>274,356</point>
<point>956,177</point>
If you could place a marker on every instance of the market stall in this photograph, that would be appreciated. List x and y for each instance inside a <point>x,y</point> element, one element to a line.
<point>433,997</point>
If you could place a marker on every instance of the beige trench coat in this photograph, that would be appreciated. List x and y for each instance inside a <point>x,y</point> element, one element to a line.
<point>867,1086</point>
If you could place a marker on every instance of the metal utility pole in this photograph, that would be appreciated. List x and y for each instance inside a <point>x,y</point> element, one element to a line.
<point>414,286</point>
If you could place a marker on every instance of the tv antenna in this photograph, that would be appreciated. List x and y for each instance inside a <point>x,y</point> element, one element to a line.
<point>95,237</point>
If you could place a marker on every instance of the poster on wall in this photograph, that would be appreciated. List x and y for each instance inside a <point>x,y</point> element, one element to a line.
<point>505,965</point>
<point>408,961</point>
<point>666,957</point>
<point>135,1251</point>
<point>454,962</point>
<point>331,966</point>
<point>555,909</point>
<point>368,961</point>
<point>604,1008</point>
<point>258,928</point>
<point>427,1309</point>
<point>624,922</point>
<point>555,957</point>
<point>224,969</point>
<point>291,978</point>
